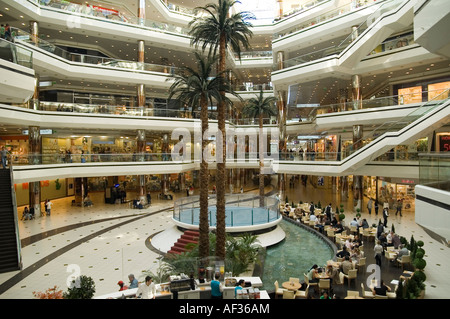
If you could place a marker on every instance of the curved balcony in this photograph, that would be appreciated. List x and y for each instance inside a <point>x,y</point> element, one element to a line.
<point>16,73</point>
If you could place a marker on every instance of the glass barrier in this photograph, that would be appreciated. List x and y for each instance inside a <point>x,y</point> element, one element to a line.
<point>90,59</point>
<point>241,210</point>
<point>434,170</point>
<point>69,158</point>
<point>301,8</point>
<point>335,49</point>
<point>324,17</point>
<point>309,114</point>
<point>12,53</point>
<point>121,110</point>
<point>395,126</point>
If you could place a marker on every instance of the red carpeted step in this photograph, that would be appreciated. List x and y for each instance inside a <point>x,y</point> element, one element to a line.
<point>175,248</point>
<point>189,237</point>
<point>186,241</point>
<point>192,233</point>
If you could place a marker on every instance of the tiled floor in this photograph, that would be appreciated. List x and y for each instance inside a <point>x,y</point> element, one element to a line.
<point>109,242</point>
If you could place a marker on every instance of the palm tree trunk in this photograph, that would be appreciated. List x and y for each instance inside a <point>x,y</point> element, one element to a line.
<point>204,180</point>
<point>261,162</point>
<point>220,180</point>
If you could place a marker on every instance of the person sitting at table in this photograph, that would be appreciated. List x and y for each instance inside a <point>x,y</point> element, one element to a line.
<point>402,252</point>
<point>287,209</point>
<point>333,273</point>
<point>349,243</point>
<point>320,224</point>
<point>356,254</point>
<point>354,222</point>
<point>389,237</point>
<point>313,217</point>
<point>313,274</point>
<point>325,295</point>
<point>343,253</point>
<point>381,290</point>
<point>383,240</point>
<point>357,242</point>
<point>334,222</point>
<point>338,229</point>
<point>396,241</point>
<point>365,224</point>
<point>346,265</point>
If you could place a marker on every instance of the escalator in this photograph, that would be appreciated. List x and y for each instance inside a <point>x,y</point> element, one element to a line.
<point>428,117</point>
<point>9,245</point>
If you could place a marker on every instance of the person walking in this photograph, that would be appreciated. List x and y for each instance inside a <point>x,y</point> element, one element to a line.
<point>4,155</point>
<point>399,207</point>
<point>48,206</point>
<point>369,206</point>
<point>375,206</point>
<point>378,250</point>
<point>385,216</point>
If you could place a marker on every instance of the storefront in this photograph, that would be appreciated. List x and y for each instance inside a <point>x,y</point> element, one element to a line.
<point>422,91</point>
<point>390,189</point>
<point>443,141</point>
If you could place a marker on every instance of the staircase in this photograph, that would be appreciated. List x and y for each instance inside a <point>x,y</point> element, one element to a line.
<point>188,237</point>
<point>9,260</point>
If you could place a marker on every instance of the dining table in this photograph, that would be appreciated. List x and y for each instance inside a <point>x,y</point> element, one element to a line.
<point>291,285</point>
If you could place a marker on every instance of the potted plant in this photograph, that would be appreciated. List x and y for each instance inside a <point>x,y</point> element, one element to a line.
<point>82,287</point>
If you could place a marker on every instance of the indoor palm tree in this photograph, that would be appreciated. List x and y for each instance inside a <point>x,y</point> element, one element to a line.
<point>257,107</point>
<point>196,88</point>
<point>217,30</point>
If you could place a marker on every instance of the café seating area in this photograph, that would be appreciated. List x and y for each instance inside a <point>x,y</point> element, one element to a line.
<point>330,278</point>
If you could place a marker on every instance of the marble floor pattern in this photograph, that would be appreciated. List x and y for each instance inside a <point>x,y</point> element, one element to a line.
<point>108,242</point>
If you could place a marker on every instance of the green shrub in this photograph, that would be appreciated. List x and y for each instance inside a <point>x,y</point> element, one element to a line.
<point>82,288</point>
<point>420,263</point>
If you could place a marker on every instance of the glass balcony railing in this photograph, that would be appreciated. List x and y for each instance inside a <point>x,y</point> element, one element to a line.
<point>301,8</point>
<point>434,170</point>
<point>324,17</point>
<point>331,49</point>
<point>12,53</point>
<point>112,15</point>
<point>90,59</point>
<point>297,115</point>
<point>121,110</point>
<point>242,210</point>
<point>398,125</point>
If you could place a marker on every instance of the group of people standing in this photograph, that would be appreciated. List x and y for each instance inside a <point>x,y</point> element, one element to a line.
<point>29,213</point>
<point>374,204</point>
<point>5,32</point>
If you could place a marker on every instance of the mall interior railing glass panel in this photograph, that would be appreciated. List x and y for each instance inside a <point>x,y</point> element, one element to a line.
<point>397,125</point>
<point>434,169</point>
<point>91,59</point>
<point>328,16</point>
<point>330,49</point>
<point>15,54</point>
<point>242,209</point>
